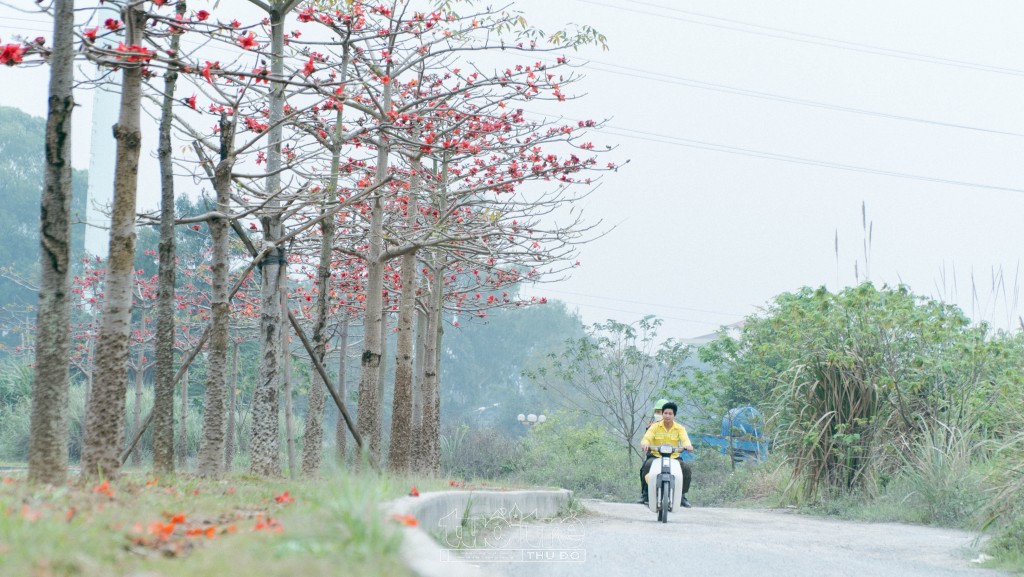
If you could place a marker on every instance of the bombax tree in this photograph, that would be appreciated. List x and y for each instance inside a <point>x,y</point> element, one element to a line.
<point>434,117</point>
<point>367,117</point>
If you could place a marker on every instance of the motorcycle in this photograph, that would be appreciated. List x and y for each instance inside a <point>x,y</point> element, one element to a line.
<point>662,479</point>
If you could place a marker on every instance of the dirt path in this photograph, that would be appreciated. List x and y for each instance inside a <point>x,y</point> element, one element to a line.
<point>621,540</point>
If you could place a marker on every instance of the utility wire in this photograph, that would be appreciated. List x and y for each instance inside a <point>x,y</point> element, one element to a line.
<point>728,149</point>
<point>929,57</point>
<point>702,85</point>
<point>811,38</point>
<point>703,145</point>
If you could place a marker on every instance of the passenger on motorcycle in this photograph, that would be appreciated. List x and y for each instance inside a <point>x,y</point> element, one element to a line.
<point>665,432</point>
<point>656,418</point>
<point>657,412</point>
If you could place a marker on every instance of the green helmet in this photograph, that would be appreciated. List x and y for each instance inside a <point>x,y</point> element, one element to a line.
<point>660,404</point>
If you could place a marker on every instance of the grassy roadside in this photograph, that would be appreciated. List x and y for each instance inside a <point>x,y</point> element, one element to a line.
<point>178,527</point>
<point>143,525</point>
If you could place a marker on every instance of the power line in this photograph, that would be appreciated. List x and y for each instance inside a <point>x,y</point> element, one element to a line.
<point>703,145</point>
<point>26,29</point>
<point>812,39</point>
<point>728,149</point>
<point>894,51</point>
<point>31,20</point>
<point>702,85</point>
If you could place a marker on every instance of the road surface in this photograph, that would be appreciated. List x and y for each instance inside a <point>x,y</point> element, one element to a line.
<point>622,539</point>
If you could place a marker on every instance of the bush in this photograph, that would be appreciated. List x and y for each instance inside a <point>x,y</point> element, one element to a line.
<point>716,483</point>
<point>943,476</point>
<point>479,454</point>
<point>943,480</point>
<point>579,456</point>
<point>1008,539</point>
<point>14,430</point>
<point>16,380</point>
<point>1005,511</point>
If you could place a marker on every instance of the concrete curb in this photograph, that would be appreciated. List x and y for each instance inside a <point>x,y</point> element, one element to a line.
<point>443,512</point>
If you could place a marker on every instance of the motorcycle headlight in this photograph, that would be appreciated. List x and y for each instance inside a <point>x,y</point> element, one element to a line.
<point>665,449</point>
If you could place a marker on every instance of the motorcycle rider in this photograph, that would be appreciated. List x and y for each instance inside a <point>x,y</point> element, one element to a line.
<point>666,431</point>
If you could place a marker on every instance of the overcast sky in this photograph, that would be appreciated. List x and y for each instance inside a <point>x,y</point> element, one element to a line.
<point>912,108</point>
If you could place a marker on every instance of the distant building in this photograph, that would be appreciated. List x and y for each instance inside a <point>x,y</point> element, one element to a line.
<point>102,151</point>
<point>732,330</point>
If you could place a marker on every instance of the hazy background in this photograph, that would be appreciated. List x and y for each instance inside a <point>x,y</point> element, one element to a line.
<point>705,234</point>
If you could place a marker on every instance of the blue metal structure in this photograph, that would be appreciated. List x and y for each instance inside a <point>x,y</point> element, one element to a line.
<point>742,435</point>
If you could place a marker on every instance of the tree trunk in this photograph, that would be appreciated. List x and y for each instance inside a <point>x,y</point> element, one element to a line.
<point>140,371</point>
<point>48,442</point>
<point>183,430</point>
<point>91,367</point>
<point>422,326</point>
<point>430,439</point>
<point>163,388</point>
<point>383,368</point>
<point>312,446</point>
<point>401,451</point>
<point>340,429</point>
<point>369,410</point>
<point>101,454</point>
<point>229,442</point>
<point>211,446</point>
<point>265,444</point>
<point>289,415</point>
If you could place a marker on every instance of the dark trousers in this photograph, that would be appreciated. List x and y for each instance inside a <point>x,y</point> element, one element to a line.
<point>687,473</point>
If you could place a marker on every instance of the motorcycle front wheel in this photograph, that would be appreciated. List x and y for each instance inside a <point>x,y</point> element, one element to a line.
<point>666,501</point>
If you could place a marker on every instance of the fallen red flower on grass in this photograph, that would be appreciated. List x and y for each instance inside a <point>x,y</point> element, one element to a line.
<point>407,520</point>
<point>30,515</point>
<point>162,531</point>
<point>104,488</point>
<point>270,525</point>
<point>209,532</point>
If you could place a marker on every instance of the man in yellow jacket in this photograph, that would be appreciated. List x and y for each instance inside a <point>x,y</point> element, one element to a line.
<point>666,432</point>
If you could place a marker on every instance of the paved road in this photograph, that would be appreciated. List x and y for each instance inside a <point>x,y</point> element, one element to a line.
<point>616,540</point>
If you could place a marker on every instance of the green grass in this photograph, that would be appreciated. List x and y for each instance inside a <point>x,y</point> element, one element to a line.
<point>333,526</point>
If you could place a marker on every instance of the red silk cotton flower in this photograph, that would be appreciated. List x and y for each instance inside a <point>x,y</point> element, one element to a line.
<point>10,54</point>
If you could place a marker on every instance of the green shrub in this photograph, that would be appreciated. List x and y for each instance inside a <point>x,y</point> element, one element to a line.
<point>580,456</point>
<point>716,483</point>
<point>943,476</point>
<point>14,430</point>
<point>1008,539</point>
<point>480,454</point>
<point>1004,509</point>
<point>15,382</point>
